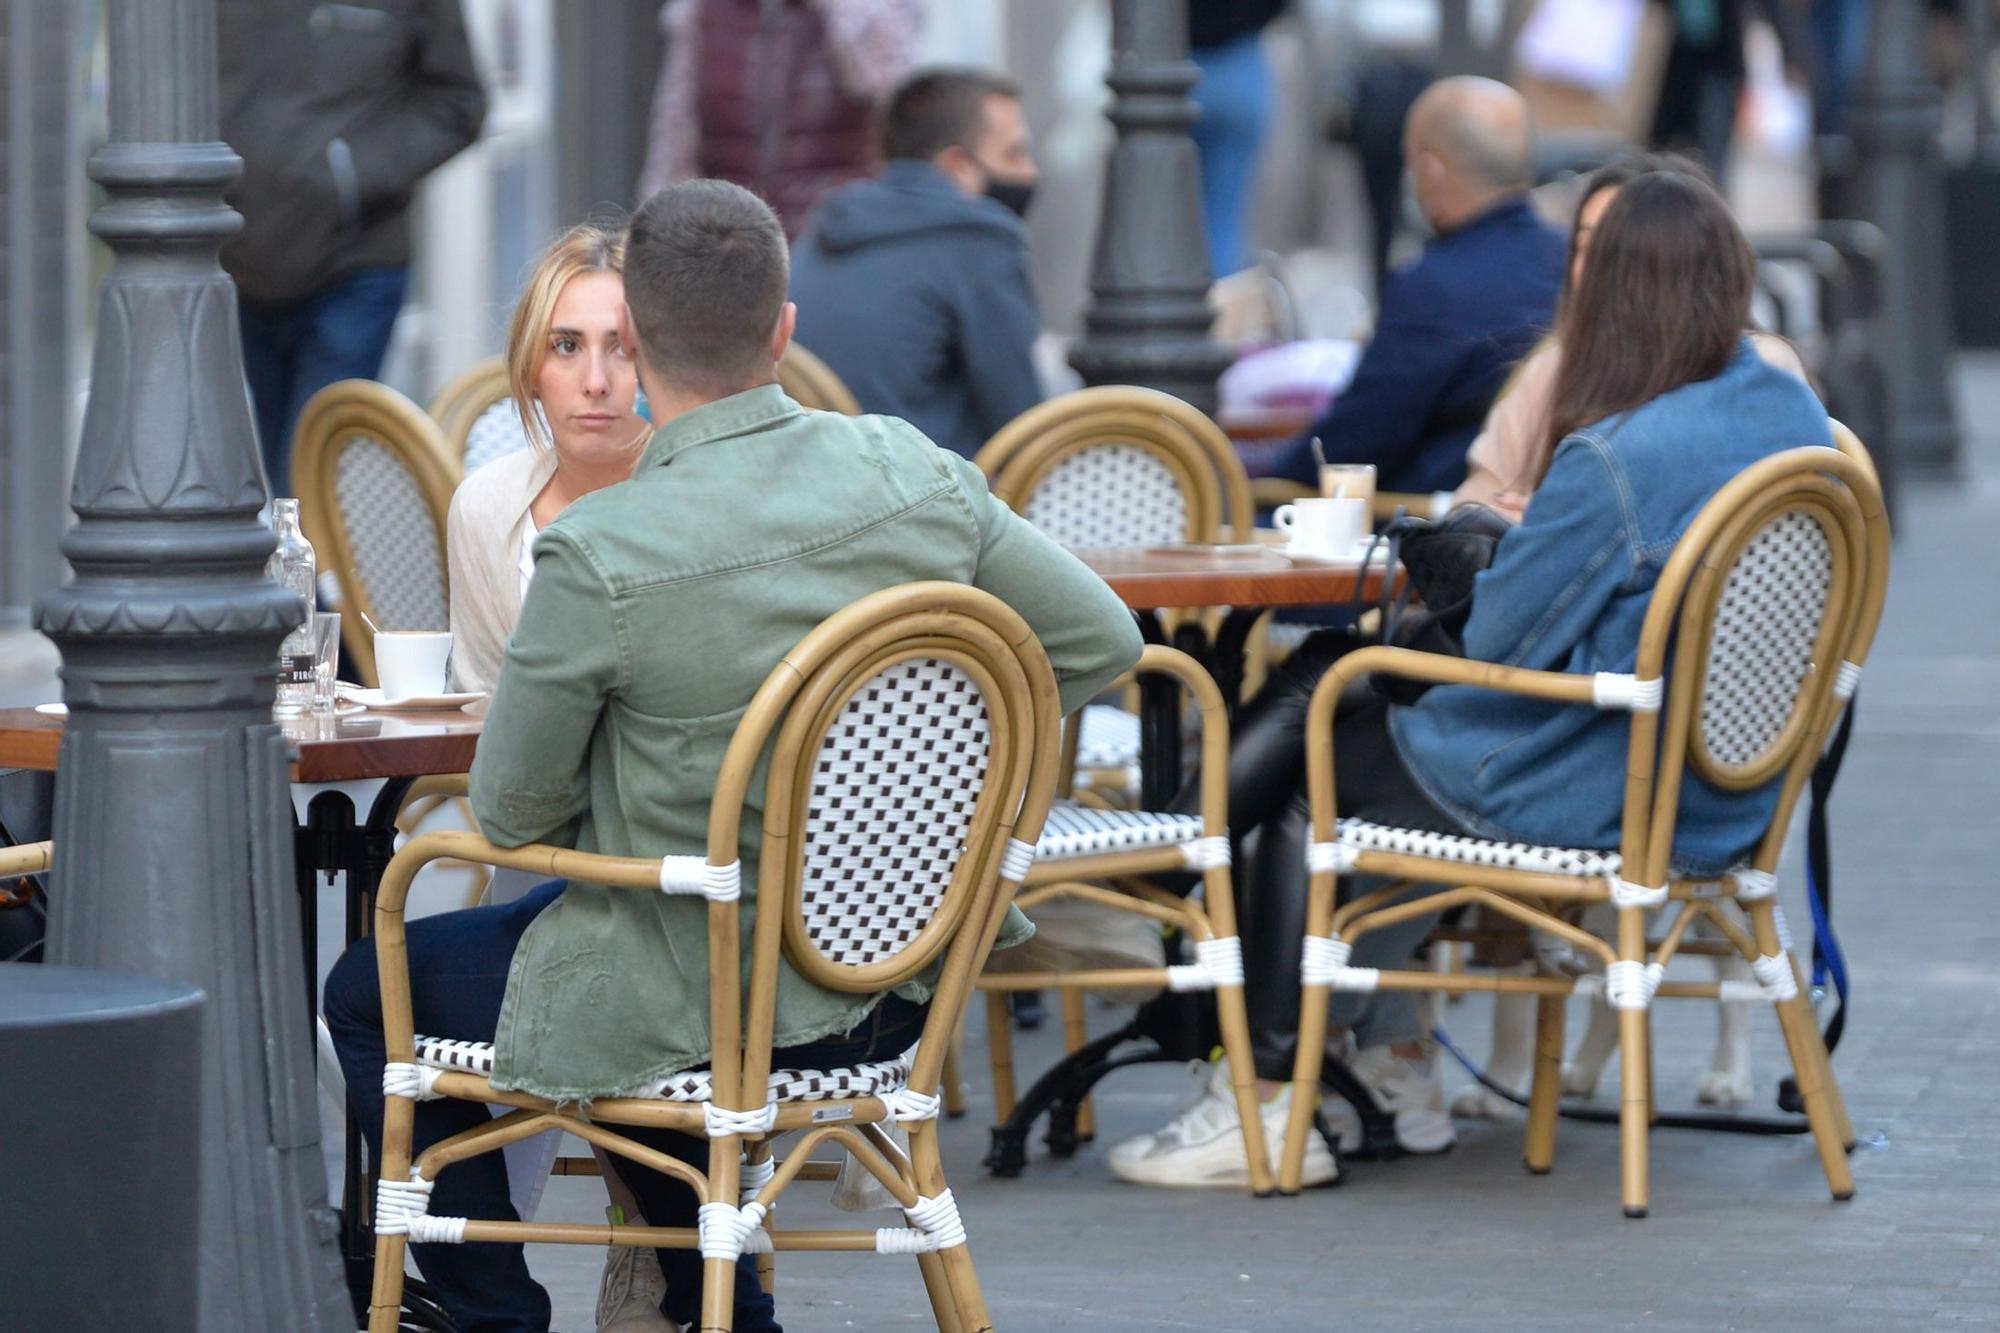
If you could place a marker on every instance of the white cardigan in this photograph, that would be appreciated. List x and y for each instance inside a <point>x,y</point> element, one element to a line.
<point>483,540</point>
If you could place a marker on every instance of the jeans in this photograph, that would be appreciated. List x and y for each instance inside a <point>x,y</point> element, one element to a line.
<point>1267,797</point>
<point>458,977</point>
<point>291,352</point>
<point>1235,99</point>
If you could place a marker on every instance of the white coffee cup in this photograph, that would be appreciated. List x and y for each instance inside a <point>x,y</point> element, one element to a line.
<point>411,664</point>
<point>1320,526</point>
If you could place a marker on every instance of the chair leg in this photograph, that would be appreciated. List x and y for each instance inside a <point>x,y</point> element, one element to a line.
<point>1075,1036</point>
<point>937,1283</point>
<point>1795,1016</point>
<point>1000,1049</point>
<point>1305,1086</point>
<point>1235,1023</point>
<point>1824,1059</point>
<point>965,1303</point>
<point>1546,1088</point>
<point>718,1295</point>
<point>385,1302</point>
<point>1633,1120</point>
<point>954,1079</point>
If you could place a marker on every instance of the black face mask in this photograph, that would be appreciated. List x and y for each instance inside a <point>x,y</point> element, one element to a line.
<point>1011,195</point>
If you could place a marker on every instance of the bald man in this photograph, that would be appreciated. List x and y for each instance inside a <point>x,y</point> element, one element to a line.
<point>1454,322</point>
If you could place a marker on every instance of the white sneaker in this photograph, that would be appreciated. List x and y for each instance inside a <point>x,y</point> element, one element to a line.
<point>629,1294</point>
<point>1410,1090</point>
<point>1203,1145</point>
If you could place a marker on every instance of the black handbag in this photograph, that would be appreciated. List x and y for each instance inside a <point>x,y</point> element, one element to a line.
<point>1441,560</point>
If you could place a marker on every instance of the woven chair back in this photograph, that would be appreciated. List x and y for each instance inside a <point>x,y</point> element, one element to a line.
<point>476,413</point>
<point>811,383</point>
<point>1774,587</point>
<point>375,482</point>
<point>911,739</point>
<point>1120,466</point>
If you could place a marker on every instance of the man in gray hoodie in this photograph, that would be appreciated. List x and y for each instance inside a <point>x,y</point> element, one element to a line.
<point>916,287</point>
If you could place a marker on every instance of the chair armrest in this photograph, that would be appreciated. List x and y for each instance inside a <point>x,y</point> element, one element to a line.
<point>30,858</point>
<point>1557,686</point>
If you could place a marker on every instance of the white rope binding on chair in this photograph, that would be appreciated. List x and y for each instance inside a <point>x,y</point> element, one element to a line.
<point>727,1232</point>
<point>935,1225</point>
<point>721,1122</point>
<point>402,1208</point>
<point>1017,861</point>
<point>1753,884</point>
<point>1622,689</point>
<point>1207,853</point>
<point>908,1105</point>
<point>417,1082</point>
<point>1631,985</point>
<point>1330,858</point>
<point>1774,977</point>
<point>694,874</point>
<point>1323,959</point>
<point>1783,927</point>
<point>1624,893</point>
<point>1217,962</point>
<point>755,1176</point>
<point>1846,681</point>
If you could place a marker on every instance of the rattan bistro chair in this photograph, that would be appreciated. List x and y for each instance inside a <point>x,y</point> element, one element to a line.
<point>1120,466</point>
<point>477,416</point>
<point>375,482</point>
<point>811,383</point>
<point>1762,618</point>
<point>1085,852</point>
<point>28,858</point>
<point>912,742</point>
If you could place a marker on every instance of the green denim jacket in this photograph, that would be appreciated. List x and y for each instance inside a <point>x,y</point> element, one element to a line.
<point>657,609</point>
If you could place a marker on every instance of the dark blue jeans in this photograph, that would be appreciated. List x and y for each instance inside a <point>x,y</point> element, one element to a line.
<point>458,976</point>
<point>291,352</point>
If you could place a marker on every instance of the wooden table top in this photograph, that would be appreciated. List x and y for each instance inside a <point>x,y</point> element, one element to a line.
<point>347,747</point>
<point>1154,578</point>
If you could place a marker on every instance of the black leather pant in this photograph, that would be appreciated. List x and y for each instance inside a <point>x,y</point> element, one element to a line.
<point>1267,798</point>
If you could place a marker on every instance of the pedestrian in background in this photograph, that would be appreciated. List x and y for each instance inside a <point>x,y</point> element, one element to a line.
<point>777,96</point>
<point>338,111</point>
<point>1226,41</point>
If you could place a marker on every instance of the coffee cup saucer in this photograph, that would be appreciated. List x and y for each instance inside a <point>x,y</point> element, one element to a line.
<point>1352,554</point>
<point>376,701</point>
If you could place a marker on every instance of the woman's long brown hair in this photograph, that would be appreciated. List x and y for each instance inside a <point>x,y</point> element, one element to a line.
<point>1663,302</point>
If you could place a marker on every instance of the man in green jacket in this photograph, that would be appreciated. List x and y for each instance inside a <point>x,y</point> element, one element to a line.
<point>657,608</point>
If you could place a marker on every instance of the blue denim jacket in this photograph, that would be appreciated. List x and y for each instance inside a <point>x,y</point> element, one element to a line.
<point>1568,591</point>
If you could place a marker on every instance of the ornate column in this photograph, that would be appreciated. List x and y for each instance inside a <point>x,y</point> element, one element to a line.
<point>173,815</point>
<point>1148,318</point>
<point>1899,186</point>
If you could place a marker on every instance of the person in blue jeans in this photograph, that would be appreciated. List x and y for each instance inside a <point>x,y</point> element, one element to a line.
<point>1226,41</point>
<point>458,977</point>
<point>338,111</point>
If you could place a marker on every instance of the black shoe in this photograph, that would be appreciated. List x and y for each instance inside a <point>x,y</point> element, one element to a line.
<point>1027,1009</point>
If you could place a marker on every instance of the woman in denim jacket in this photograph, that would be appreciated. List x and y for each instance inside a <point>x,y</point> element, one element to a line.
<point>1660,400</point>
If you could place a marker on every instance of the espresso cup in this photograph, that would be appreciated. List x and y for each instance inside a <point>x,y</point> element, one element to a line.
<point>1323,526</point>
<point>411,663</point>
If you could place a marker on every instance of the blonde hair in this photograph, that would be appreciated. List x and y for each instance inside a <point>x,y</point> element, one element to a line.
<point>589,247</point>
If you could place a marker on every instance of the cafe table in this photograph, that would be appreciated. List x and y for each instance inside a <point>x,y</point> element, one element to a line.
<point>1246,582</point>
<point>351,746</point>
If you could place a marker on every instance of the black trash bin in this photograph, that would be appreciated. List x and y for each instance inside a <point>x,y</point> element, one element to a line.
<point>99,1133</point>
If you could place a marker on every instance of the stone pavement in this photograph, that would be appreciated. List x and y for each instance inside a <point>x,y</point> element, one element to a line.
<point>1742,1234</point>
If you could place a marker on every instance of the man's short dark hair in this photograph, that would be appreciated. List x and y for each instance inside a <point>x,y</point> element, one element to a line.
<point>706,270</point>
<point>936,108</point>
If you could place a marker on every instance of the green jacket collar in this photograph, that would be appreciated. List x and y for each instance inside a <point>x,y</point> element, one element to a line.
<point>739,414</point>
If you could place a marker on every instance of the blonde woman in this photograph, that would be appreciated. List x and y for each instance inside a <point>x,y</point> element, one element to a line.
<point>574,386</point>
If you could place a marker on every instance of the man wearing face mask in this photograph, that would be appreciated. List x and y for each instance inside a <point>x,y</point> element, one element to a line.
<point>916,287</point>
<point>1453,323</point>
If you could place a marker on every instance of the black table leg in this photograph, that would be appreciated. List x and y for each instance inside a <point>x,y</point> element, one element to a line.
<point>329,842</point>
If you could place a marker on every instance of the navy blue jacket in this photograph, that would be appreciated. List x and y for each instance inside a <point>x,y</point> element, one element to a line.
<point>1451,328</point>
<point>920,297</point>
